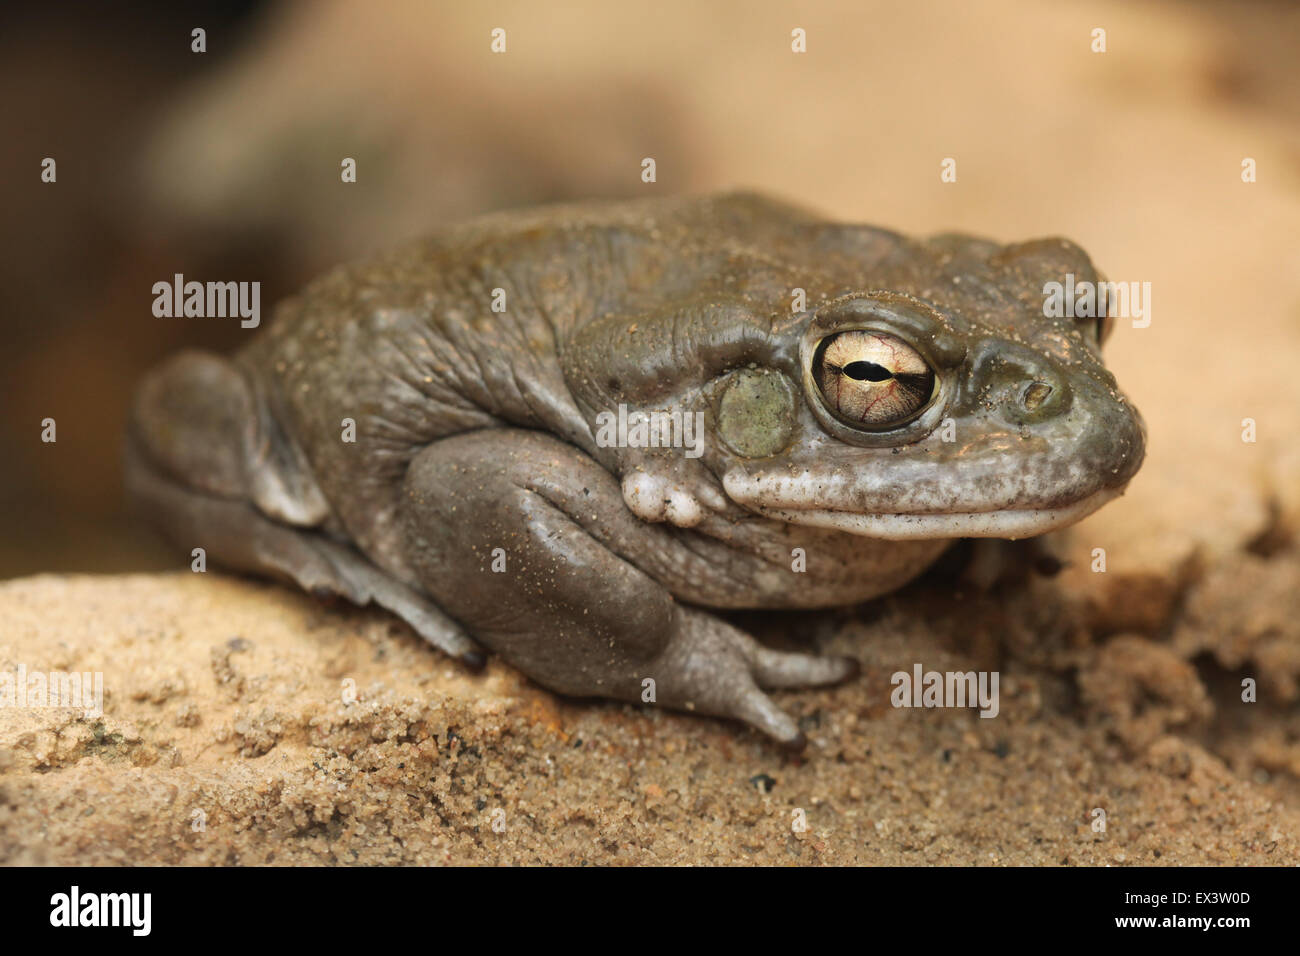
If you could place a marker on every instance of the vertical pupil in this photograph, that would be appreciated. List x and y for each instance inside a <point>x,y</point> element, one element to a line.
<point>867,372</point>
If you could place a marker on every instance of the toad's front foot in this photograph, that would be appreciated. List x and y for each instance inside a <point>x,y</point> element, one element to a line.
<point>711,667</point>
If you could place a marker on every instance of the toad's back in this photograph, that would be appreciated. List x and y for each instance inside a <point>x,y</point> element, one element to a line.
<point>463,331</point>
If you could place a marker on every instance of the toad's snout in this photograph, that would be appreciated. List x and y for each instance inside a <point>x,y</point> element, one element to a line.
<point>1080,415</point>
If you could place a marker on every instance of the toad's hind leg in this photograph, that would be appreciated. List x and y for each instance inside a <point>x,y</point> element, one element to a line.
<point>526,540</point>
<point>187,472</point>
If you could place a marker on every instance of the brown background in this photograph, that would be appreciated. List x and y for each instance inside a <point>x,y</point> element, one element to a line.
<point>225,165</point>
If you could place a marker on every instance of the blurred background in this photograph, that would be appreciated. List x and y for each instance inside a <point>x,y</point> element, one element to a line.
<point>225,165</point>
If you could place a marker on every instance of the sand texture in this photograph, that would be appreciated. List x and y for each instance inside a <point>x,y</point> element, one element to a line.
<point>226,737</point>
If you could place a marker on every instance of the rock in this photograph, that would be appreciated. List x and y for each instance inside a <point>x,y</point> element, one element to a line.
<point>244,723</point>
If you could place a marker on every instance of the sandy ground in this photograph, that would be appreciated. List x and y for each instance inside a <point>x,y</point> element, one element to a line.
<point>227,737</point>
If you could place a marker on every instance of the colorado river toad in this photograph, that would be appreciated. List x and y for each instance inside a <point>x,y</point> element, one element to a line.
<point>455,431</point>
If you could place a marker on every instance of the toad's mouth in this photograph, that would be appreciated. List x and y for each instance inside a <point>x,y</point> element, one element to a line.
<point>1008,523</point>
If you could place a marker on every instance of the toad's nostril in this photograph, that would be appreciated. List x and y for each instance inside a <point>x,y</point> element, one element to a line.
<point>1024,387</point>
<point>1034,395</point>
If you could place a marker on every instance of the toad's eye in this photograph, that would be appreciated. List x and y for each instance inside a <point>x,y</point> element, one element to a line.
<point>872,380</point>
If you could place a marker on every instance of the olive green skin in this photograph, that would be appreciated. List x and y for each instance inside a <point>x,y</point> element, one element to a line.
<point>477,502</point>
